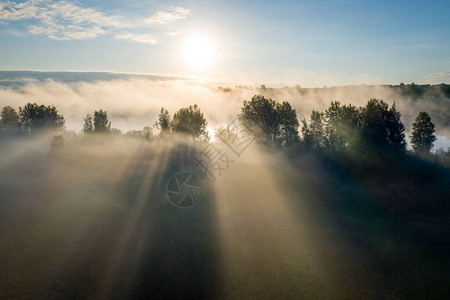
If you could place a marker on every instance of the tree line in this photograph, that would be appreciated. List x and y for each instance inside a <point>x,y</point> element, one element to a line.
<point>338,129</point>
<point>31,118</point>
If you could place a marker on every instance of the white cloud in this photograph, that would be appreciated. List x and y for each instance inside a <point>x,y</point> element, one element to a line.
<point>79,15</point>
<point>58,32</point>
<point>142,38</point>
<point>33,29</point>
<point>441,77</point>
<point>62,20</point>
<point>163,17</point>
<point>80,33</point>
<point>174,32</point>
<point>18,11</point>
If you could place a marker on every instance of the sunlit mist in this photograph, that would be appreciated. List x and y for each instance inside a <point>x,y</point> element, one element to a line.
<point>224,149</point>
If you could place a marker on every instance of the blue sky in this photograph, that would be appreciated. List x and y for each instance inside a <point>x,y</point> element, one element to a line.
<point>311,43</point>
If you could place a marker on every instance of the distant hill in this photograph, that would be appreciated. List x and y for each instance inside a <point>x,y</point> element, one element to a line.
<point>21,78</point>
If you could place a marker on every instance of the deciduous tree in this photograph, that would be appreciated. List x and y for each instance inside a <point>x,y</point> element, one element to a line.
<point>33,117</point>
<point>191,121</point>
<point>269,121</point>
<point>101,122</point>
<point>164,122</point>
<point>9,119</point>
<point>422,137</point>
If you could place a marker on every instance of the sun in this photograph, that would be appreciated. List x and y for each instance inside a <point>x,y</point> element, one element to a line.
<point>199,51</point>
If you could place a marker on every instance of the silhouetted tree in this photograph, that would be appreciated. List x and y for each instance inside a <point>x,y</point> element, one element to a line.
<point>269,121</point>
<point>306,134</point>
<point>395,130</point>
<point>88,126</point>
<point>164,122</point>
<point>313,134</point>
<point>190,121</point>
<point>382,126</point>
<point>342,126</point>
<point>422,137</point>
<point>259,118</point>
<point>415,90</point>
<point>346,127</point>
<point>9,119</point>
<point>288,122</point>
<point>333,140</point>
<point>33,117</point>
<point>101,122</point>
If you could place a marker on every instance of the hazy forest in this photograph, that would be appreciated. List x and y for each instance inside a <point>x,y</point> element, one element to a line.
<point>339,204</point>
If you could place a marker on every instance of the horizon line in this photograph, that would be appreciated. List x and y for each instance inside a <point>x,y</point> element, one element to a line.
<point>210,80</point>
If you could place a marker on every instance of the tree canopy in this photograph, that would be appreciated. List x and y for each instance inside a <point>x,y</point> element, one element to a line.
<point>88,126</point>
<point>164,122</point>
<point>101,122</point>
<point>191,121</point>
<point>346,127</point>
<point>98,124</point>
<point>288,122</point>
<point>269,121</point>
<point>9,119</point>
<point>422,137</point>
<point>382,126</point>
<point>339,128</point>
<point>34,117</point>
<point>313,134</point>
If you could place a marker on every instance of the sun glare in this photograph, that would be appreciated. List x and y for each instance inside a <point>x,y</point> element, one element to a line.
<point>211,134</point>
<point>199,51</point>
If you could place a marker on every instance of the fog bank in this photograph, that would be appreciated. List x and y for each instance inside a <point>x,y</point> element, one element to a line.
<point>133,102</point>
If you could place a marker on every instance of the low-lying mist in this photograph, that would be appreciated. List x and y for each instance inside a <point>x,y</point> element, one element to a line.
<point>93,219</point>
<point>95,216</point>
<point>133,103</point>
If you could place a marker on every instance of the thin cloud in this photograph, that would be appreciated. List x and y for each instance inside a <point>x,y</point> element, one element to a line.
<point>163,17</point>
<point>18,11</point>
<point>62,20</point>
<point>13,32</point>
<point>174,33</point>
<point>141,38</point>
<point>441,77</point>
